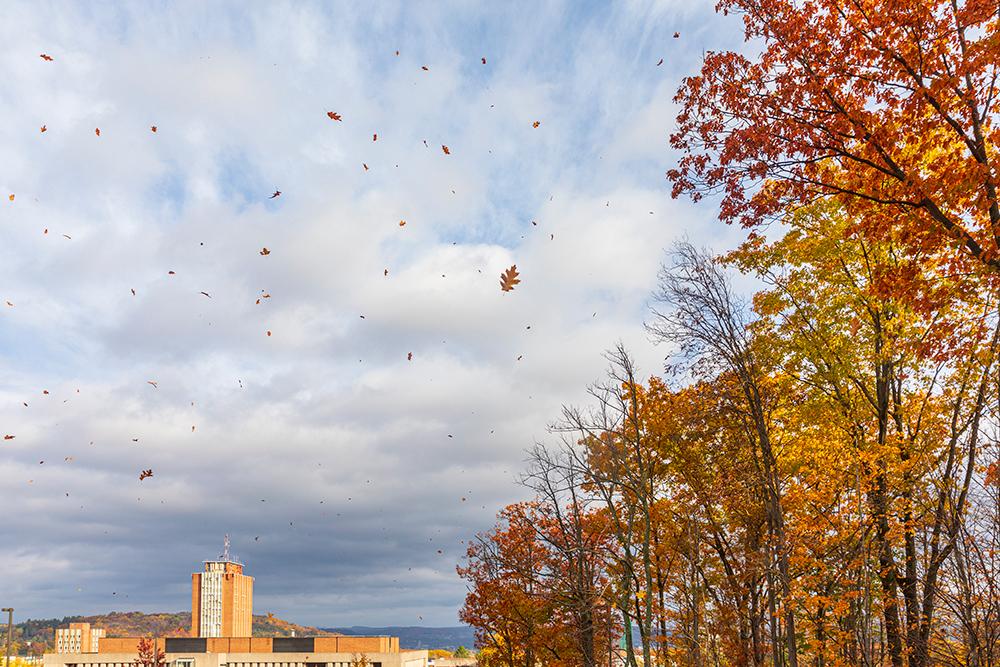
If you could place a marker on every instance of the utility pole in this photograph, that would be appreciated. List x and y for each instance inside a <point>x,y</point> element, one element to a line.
<point>10,629</point>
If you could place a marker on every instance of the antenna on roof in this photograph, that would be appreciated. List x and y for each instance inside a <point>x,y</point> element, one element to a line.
<point>225,550</point>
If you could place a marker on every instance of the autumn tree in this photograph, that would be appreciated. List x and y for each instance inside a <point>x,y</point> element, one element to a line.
<point>150,655</point>
<point>889,106</point>
<point>903,348</point>
<point>702,316</point>
<point>505,603</point>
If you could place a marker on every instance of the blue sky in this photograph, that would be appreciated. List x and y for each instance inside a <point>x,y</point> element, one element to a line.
<point>337,465</point>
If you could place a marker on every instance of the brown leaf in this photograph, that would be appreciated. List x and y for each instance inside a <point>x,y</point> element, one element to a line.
<point>509,278</point>
<point>425,68</point>
<point>97,131</point>
<point>375,136</point>
<point>277,193</point>
<point>484,61</point>
<point>269,332</point>
<point>145,474</point>
<point>9,437</point>
<point>402,223</point>
<point>536,123</point>
<point>152,128</point>
<point>445,149</point>
<point>365,166</point>
<point>409,356</point>
<point>264,252</point>
<point>43,129</point>
<point>154,383</point>
<point>333,115</point>
<point>45,56</point>
<point>11,197</point>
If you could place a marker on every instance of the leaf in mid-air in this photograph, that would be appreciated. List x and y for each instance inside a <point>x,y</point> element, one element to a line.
<point>509,278</point>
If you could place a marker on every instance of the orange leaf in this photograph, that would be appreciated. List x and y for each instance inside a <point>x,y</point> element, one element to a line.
<point>509,278</point>
<point>445,149</point>
<point>333,115</point>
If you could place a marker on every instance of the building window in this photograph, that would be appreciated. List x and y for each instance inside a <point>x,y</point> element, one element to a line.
<point>184,662</point>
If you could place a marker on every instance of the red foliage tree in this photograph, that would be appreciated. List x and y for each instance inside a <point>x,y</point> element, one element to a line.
<point>889,104</point>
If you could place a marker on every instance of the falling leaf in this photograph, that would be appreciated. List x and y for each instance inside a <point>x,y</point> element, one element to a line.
<point>45,56</point>
<point>9,437</point>
<point>375,137</point>
<point>145,474</point>
<point>384,273</point>
<point>206,294</point>
<point>265,252</point>
<point>192,428</point>
<point>509,278</point>
<point>536,123</point>
<point>45,392</point>
<point>171,273</point>
<point>12,305</point>
<point>446,150</point>
<point>519,357</point>
<point>677,35</point>
<point>268,332</point>
<point>152,128</point>
<point>333,115</point>
<point>135,439</point>
<point>133,291</point>
<point>365,166</point>
<point>277,193</point>
<point>97,131</point>
<point>11,197</point>
<point>425,68</point>
<point>68,236</point>
<point>154,383</point>
<point>409,356</point>
<point>43,129</point>
<point>659,63</point>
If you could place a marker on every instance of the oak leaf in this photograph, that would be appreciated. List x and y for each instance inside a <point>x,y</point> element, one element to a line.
<point>509,278</point>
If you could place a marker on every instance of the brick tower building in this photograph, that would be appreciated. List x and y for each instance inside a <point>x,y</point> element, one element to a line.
<point>221,599</point>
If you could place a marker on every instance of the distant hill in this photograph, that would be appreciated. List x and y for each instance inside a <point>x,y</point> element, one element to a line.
<point>418,637</point>
<point>41,632</point>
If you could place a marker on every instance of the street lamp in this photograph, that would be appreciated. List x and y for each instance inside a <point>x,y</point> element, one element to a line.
<point>10,629</point>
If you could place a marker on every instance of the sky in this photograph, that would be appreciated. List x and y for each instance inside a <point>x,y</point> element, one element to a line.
<point>272,395</point>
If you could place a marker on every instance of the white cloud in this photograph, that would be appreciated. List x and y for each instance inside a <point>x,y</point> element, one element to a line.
<point>361,457</point>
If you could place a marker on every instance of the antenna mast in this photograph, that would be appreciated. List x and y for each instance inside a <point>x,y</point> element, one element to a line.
<point>225,550</point>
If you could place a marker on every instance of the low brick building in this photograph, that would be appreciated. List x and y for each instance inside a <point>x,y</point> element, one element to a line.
<point>78,638</point>
<point>339,651</point>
